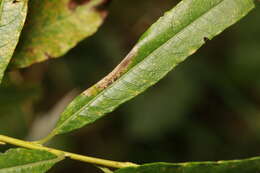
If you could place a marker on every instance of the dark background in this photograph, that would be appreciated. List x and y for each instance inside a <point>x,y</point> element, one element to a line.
<point>208,108</point>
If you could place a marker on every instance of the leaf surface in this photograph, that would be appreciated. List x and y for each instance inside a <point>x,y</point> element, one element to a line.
<point>105,170</point>
<point>168,42</point>
<point>21,160</point>
<point>12,17</point>
<point>54,27</point>
<point>235,166</point>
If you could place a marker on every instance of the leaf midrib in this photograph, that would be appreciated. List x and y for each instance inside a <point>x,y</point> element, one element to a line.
<point>181,30</point>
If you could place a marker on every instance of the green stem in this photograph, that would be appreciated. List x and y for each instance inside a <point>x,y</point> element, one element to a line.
<point>93,160</point>
<point>47,138</point>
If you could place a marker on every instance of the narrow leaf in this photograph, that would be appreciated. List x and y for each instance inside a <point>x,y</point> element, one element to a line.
<point>235,166</point>
<point>174,37</point>
<point>54,27</point>
<point>12,17</point>
<point>21,160</point>
<point>105,170</point>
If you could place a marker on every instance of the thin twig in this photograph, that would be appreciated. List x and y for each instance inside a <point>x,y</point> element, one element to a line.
<point>93,160</point>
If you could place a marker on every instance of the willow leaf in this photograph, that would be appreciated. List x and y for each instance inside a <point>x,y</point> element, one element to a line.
<point>235,166</point>
<point>12,17</point>
<point>54,27</point>
<point>21,160</point>
<point>105,170</point>
<point>174,37</point>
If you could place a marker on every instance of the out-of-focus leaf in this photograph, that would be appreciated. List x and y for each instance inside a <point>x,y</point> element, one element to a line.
<point>21,160</point>
<point>54,27</point>
<point>174,37</point>
<point>12,17</point>
<point>16,108</point>
<point>242,166</point>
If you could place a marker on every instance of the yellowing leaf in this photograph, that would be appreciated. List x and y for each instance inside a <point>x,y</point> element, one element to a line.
<point>55,26</point>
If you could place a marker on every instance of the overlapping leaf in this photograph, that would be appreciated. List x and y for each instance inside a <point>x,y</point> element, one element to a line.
<point>174,37</point>
<point>27,161</point>
<point>235,166</point>
<point>54,27</point>
<point>12,17</point>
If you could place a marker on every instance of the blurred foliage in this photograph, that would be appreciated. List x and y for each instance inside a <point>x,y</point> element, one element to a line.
<point>58,24</point>
<point>16,106</point>
<point>208,108</point>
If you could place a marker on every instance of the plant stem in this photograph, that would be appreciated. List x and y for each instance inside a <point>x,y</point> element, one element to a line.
<point>47,138</point>
<point>97,161</point>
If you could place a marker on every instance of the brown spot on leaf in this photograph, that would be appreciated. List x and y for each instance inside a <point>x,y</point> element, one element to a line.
<point>114,75</point>
<point>15,1</point>
<point>73,4</point>
<point>206,39</point>
<point>103,14</point>
<point>47,55</point>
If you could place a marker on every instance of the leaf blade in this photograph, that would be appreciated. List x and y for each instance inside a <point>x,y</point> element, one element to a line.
<point>233,166</point>
<point>54,27</point>
<point>105,170</point>
<point>12,18</point>
<point>159,50</point>
<point>21,160</point>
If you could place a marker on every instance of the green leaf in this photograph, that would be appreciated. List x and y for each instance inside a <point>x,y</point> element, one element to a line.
<point>12,17</point>
<point>235,166</point>
<point>105,170</point>
<point>54,27</point>
<point>174,37</point>
<point>21,160</point>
